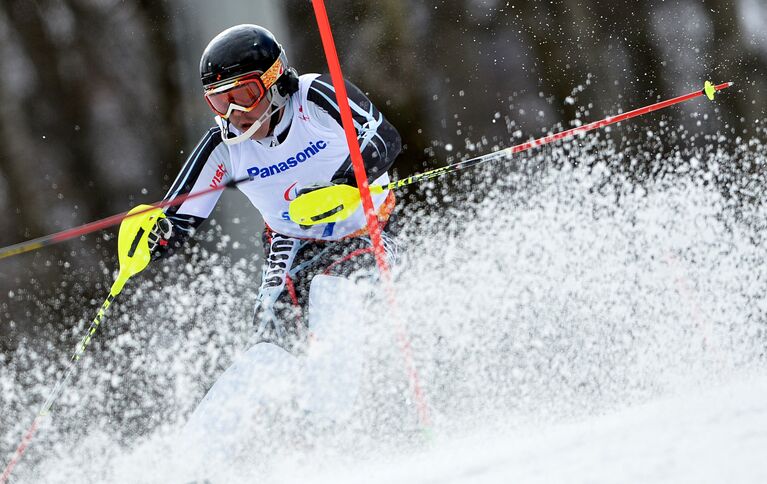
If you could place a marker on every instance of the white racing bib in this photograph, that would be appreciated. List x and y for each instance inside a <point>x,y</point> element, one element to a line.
<point>311,153</point>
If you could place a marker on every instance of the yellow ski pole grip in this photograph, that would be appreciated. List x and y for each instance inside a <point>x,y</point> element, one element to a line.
<point>133,243</point>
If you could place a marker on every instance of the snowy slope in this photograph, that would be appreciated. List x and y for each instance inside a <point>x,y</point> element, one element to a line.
<point>714,435</point>
<point>568,326</point>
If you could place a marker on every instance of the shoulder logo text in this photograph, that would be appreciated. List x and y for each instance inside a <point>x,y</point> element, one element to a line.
<point>218,176</point>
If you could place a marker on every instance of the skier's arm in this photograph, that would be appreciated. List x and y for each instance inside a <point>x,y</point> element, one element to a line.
<point>207,166</point>
<point>379,140</point>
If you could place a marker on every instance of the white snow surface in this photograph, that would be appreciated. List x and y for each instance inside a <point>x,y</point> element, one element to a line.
<point>568,325</point>
<point>711,435</point>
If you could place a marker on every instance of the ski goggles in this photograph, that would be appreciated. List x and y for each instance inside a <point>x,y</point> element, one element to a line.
<point>244,93</point>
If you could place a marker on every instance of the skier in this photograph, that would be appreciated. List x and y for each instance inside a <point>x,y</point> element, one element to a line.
<point>285,132</point>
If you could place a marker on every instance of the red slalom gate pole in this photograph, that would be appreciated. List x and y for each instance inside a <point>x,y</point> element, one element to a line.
<point>351,134</point>
<point>20,450</point>
<point>104,223</point>
<point>374,228</point>
<point>528,145</point>
<point>619,117</point>
<point>88,228</point>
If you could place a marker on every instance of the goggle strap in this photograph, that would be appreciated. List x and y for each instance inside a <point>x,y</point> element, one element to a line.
<point>273,73</point>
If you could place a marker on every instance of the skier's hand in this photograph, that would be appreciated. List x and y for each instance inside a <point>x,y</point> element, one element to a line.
<point>310,188</point>
<point>314,186</point>
<point>160,234</point>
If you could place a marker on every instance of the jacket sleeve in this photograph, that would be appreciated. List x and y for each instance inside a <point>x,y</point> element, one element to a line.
<point>379,141</point>
<point>208,166</point>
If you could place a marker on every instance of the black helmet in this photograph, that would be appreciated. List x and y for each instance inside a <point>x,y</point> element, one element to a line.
<point>248,49</point>
<point>243,49</point>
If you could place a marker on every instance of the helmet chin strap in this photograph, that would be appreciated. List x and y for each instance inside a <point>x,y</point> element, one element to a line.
<point>230,138</point>
<point>273,120</point>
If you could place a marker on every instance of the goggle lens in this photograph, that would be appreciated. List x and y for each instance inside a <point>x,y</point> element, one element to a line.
<point>246,94</point>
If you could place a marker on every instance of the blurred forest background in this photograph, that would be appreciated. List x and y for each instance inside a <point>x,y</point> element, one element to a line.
<point>100,100</point>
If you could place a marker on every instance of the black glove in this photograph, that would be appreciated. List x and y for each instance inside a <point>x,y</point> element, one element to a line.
<point>160,235</point>
<point>314,186</point>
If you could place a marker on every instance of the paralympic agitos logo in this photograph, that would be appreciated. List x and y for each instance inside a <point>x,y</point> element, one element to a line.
<point>300,157</point>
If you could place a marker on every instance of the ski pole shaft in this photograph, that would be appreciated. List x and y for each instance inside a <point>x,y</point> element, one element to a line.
<point>56,392</point>
<point>507,152</point>
<point>134,256</point>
